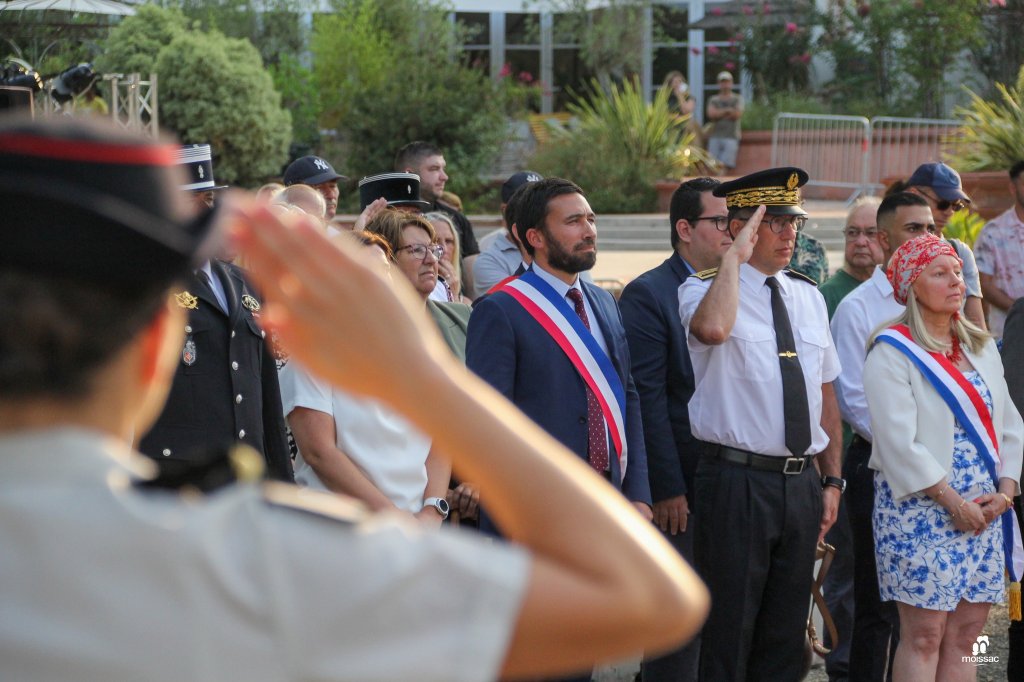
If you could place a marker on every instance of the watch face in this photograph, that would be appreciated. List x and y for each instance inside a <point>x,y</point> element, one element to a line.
<point>442,505</point>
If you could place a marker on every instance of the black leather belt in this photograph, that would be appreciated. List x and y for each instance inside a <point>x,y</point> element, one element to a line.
<point>860,440</point>
<point>790,466</point>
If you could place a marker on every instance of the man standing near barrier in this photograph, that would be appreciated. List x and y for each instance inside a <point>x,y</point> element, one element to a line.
<point>767,486</point>
<point>664,379</point>
<point>724,111</point>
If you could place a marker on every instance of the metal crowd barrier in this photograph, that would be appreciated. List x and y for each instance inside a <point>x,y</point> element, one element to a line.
<point>900,145</point>
<point>853,154</point>
<point>832,149</point>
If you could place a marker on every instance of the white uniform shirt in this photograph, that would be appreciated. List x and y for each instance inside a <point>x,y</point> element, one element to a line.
<point>738,397</point>
<point>857,316</point>
<point>103,581</point>
<point>388,449</point>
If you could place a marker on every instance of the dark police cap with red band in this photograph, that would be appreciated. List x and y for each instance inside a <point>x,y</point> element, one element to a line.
<point>83,199</point>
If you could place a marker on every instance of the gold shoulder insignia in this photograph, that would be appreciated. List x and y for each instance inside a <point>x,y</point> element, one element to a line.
<point>705,274</point>
<point>799,275</point>
<point>313,502</point>
<point>186,300</point>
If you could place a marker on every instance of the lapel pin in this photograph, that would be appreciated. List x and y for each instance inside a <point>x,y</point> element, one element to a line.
<point>251,303</point>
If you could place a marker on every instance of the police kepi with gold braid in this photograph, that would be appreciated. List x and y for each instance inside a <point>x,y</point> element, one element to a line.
<point>778,189</point>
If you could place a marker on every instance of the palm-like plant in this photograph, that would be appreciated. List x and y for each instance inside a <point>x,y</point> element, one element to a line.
<point>993,131</point>
<point>618,146</point>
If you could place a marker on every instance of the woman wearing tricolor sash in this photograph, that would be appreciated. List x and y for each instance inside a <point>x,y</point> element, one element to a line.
<point>947,453</point>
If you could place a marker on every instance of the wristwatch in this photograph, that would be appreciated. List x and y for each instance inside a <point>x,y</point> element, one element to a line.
<point>838,483</point>
<point>438,503</point>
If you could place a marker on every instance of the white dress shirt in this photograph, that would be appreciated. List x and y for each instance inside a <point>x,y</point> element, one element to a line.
<point>857,317</point>
<point>738,397</point>
<point>562,289</point>
<point>217,286</point>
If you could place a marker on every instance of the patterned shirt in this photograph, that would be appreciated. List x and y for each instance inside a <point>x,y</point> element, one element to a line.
<point>999,252</point>
<point>809,257</point>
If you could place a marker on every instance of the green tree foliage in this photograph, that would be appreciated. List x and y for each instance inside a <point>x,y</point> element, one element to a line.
<point>212,89</point>
<point>134,45</point>
<point>898,53</point>
<point>619,147</point>
<point>387,76</point>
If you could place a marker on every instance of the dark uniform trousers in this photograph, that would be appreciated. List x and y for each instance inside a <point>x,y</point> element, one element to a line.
<point>756,534</point>
<point>225,388</point>
<point>876,625</point>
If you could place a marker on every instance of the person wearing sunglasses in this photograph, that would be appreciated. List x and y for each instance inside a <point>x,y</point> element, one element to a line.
<point>941,187</point>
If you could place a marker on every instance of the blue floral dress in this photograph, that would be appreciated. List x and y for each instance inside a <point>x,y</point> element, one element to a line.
<point>922,559</point>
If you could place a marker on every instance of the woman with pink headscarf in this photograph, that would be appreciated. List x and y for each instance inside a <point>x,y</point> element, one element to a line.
<point>947,453</point>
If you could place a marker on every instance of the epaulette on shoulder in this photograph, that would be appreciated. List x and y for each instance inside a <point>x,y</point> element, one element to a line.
<point>705,274</point>
<point>799,275</point>
<point>215,469</point>
<point>313,502</point>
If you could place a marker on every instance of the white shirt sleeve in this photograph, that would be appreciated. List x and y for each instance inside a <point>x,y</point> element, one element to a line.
<point>850,330</point>
<point>300,389</point>
<point>691,292</point>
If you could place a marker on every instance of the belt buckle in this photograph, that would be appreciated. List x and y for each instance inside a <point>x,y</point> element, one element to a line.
<point>794,466</point>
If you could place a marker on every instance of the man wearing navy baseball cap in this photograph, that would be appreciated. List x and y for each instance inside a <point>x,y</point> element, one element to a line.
<point>319,174</point>
<point>941,187</point>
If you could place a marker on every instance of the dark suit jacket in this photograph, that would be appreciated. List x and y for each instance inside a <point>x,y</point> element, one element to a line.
<point>663,375</point>
<point>231,359</point>
<point>508,349</point>
<point>1013,353</point>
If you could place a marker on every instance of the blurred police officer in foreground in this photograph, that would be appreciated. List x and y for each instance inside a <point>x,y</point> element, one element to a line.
<point>109,573</point>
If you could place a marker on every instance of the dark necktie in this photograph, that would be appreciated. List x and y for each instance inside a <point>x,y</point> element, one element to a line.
<point>597,439</point>
<point>794,390</point>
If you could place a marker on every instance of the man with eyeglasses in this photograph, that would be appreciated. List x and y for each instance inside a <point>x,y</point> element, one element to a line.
<point>767,484</point>
<point>860,257</point>
<point>699,235</point>
<point>901,217</point>
<point>940,185</point>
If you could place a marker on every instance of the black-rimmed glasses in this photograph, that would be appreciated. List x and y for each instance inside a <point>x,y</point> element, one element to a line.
<point>419,251</point>
<point>720,222</point>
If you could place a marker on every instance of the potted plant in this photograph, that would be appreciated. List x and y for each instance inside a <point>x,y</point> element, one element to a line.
<point>621,148</point>
<point>992,140</point>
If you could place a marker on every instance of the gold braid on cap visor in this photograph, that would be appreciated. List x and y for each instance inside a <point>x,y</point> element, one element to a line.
<point>769,196</point>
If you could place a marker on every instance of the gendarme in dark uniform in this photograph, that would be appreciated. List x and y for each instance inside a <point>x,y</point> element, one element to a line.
<point>225,389</point>
<point>767,484</point>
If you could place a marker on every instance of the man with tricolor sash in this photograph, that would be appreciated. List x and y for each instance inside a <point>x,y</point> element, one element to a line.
<point>555,345</point>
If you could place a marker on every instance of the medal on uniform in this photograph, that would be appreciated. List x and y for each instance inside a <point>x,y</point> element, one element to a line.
<point>186,300</point>
<point>251,303</point>
<point>188,353</point>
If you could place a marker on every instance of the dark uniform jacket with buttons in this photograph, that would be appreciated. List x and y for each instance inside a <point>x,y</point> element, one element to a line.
<point>225,389</point>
